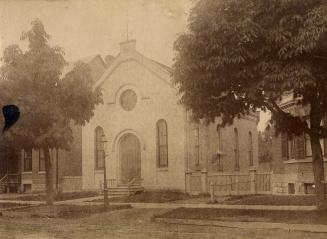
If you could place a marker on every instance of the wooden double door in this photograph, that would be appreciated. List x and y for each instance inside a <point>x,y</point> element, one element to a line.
<point>130,158</point>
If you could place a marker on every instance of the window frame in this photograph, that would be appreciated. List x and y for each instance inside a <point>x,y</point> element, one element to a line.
<point>250,149</point>
<point>197,144</point>
<point>97,149</point>
<point>220,166</point>
<point>162,147</point>
<point>291,147</point>
<point>128,105</point>
<point>41,170</point>
<point>236,150</point>
<point>28,158</point>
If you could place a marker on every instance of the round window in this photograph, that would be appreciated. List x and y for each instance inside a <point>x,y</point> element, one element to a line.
<point>128,100</point>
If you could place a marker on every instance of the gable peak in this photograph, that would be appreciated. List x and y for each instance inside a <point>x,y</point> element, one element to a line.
<point>127,46</point>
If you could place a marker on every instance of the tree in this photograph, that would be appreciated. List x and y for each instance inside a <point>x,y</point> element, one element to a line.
<point>48,101</point>
<point>241,55</point>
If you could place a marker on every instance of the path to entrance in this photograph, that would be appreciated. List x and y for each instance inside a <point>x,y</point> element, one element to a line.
<point>174,205</point>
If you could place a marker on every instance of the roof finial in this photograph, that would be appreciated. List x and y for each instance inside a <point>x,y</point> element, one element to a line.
<point>127,25</point>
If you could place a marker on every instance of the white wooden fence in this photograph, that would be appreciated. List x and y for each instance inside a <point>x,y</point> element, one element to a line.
<point>220,184</point>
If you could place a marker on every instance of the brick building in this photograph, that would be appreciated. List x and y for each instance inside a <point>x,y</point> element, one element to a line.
<point>292,158</point>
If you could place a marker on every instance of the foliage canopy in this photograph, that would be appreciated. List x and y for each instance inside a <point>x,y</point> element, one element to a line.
<point>240,55</point>
<point>48,101</point>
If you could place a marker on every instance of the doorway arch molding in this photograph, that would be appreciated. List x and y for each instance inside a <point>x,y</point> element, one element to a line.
<point>115,142</point>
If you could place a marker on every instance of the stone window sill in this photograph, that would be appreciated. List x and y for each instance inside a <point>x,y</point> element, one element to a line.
<point>98,171</point>
<point>27,172</point>
<point>162,169</point>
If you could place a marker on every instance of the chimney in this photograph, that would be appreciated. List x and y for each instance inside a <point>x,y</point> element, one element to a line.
<point>108,60</point>
<point>127,46</point>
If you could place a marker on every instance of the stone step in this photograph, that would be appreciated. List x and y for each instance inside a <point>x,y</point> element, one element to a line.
<point>124,190</point>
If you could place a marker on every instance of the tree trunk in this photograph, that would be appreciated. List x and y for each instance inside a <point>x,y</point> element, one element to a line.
<point>48,176</point>
<point>318,171</point>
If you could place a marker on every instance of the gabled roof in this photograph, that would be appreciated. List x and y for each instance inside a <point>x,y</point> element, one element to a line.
<point>159,69</point>
<point>86,60</point>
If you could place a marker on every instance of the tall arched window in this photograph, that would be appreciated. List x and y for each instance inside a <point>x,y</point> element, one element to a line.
<point>219,150</point>
<point>250,149</point>
<point>27,160</point>
<point>162,144</point>
<point>236,150</point>
<point>99,148</point>
<point>197,143</point>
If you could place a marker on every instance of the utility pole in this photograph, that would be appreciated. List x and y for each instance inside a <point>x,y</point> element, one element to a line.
<point>105,188</point>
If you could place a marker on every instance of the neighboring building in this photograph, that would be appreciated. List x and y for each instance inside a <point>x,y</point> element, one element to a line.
<point>292,158</point>
<point>152,142</point>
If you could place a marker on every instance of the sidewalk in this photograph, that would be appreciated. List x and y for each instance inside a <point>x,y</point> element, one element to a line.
<point>219,206</point>
<point>85,201</point>
<point>317,228</point>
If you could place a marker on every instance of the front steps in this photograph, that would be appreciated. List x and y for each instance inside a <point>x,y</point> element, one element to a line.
<point>124,190</point>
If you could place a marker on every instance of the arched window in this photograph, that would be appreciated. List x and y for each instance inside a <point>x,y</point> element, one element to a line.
<point>250,149</point>
<point>99,148</point>
<point>197,143</point>
<point>27,160</point>
<point>236,150</point>
<point>219,150</point>
<point>41,160</point>
<point>162,144</point>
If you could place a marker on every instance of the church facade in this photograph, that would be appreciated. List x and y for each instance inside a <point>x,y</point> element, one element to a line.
<point>151,138</point>
<point>141,135</point>
<point>140,112</point>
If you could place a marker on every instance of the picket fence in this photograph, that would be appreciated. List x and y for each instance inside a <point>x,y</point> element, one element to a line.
<point>221,184</point>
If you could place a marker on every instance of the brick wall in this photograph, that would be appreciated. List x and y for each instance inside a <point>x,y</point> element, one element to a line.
<point>209,144</point>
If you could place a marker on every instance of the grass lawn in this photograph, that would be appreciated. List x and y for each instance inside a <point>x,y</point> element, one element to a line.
<point>310,217</point>
<point>67,211</point>
<point>9,205</point>
<point>57,197</point>
<point>296,200</point>
<point>159,196</point>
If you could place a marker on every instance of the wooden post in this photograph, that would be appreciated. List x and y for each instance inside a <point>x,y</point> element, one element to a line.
<point>252,172</point>
<point>237,180</point>
<point>105,188</point>
<point>212,192</point>
<point>188,181</point>
<point>230,186</point>
<point>204,180</point>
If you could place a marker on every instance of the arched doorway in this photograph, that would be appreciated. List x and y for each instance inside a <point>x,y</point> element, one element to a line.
<point>130,158</point>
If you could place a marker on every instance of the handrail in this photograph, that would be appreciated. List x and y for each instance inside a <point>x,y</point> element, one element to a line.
<point>111,182</point>
<point>3,178</point>
<point>133,180</point>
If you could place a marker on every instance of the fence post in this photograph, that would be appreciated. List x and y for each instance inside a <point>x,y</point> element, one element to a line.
<point>237,186</point>
<point>230,186</point>
<point>252,172</point>
<point>188,181</point>
<point>212,192</point>
<point>204,180</point>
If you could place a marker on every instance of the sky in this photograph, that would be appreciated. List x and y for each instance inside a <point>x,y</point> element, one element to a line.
<point>87,27</point>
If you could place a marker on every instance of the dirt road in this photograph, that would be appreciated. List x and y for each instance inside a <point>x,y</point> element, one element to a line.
<point>128,223</point>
